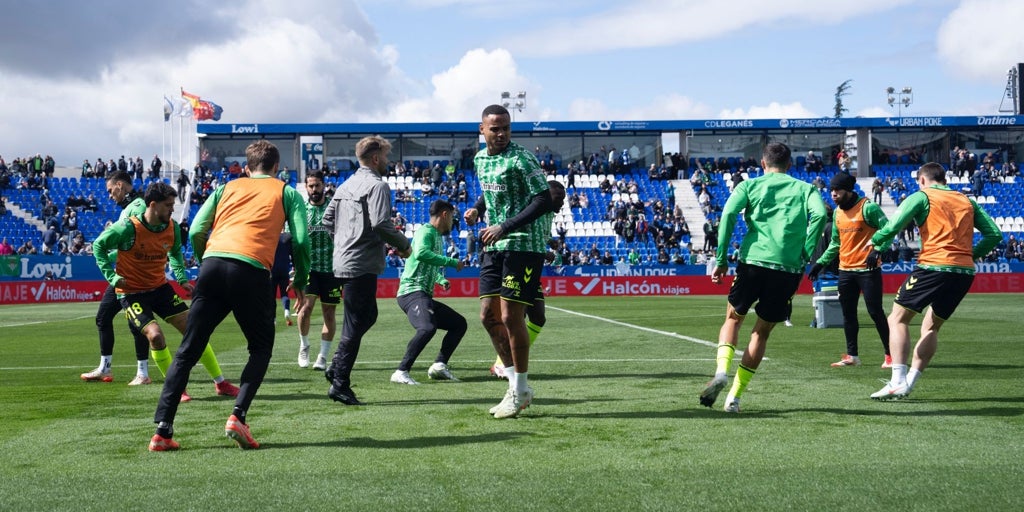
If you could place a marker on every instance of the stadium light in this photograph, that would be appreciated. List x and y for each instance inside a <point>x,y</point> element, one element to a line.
<point>899,98</point>
<point>513,103</point>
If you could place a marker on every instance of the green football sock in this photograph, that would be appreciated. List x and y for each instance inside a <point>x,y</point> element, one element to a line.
<point>534,331</point>
<point>162,359</point>
<point>743,376</point>
<point>724,358</point>
<point>209,361</point>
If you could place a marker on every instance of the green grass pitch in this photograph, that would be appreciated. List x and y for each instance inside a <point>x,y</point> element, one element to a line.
<point>615,424</point>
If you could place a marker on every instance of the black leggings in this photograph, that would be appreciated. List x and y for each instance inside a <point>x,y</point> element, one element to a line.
<point>851,285</point>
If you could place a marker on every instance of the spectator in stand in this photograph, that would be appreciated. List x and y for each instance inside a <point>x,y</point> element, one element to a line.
<point>877,187</point>
<point>78,245</point>
<point>704,200</point>
<point>3,206</point>
<point>182,185</point>
<point>50,239</point>
<point>6,249</point>
<point>27,248</point>
<point>813,163</point>
<point>156,166</point>
<point>1010,168</point>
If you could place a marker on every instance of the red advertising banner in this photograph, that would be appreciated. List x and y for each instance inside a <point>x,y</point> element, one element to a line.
<point>31,292</point>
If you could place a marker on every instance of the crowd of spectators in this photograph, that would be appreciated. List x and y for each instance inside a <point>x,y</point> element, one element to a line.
<point>650,230</point>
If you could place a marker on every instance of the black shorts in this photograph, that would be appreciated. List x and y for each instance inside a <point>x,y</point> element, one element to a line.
<point>770,289</point>
<point>514,275</point>
<point>163,301</point>
<point>325,286</point>
<point>943,291</point>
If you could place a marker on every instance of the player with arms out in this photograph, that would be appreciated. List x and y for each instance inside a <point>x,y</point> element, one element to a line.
<point>424,269</point>
<point>785,218</point>
<point>943,274</point>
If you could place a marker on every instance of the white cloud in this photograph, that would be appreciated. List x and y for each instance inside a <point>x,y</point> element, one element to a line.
<point>981,39</point>
<point>670,22</point>
<point>873,112</point>
<point>773,110</point>
<point>274,68</point>
<point>462,91</point>
<point>673,106</point>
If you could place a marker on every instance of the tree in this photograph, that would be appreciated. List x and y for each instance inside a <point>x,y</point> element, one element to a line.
<point>842,90</point>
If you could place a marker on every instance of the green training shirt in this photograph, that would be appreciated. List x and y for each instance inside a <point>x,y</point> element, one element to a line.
<point>120,236</point>
<point>916,207</point>
<point>424,266</point>
<point>135,208</point>
<point>509,181</point>
<point>321,241</point>
<point>784,217</point>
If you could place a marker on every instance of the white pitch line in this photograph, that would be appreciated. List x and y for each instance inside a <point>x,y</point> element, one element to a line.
<point>738,353</point>
<point>639,327</point>
<point>46,321</point>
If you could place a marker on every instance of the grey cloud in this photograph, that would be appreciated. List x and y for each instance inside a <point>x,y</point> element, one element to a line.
<point>56,39</point>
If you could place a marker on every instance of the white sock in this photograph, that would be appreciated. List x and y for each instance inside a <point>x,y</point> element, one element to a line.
<point>521,384</point>
<point>303,341</point>
<point>287,313</point>
<point>325,348</point>
<point>912,376</point>
<point>899,373</point>
<point>143,367</point>
<point>218,379</point>
<point>105,362</point>
<point>510,372</point>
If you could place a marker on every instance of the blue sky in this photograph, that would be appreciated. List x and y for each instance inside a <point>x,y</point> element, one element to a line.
<point>101,93</point>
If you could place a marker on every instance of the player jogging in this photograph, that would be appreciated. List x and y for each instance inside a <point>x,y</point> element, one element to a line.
<point>235,236</point>
<point>535,313</point>
<point>322,282</point>
<point>785,218</point>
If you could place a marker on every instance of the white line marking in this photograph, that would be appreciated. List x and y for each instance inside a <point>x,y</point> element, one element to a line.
<point>639,327</point>
<point>47,321</point>
<point>738,353</point>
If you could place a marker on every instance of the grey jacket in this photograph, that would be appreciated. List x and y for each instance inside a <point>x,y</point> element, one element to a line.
<point>359,215</point>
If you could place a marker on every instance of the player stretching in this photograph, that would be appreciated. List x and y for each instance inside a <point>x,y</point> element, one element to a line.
<point>144,244</point>
<point>423,269</point>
